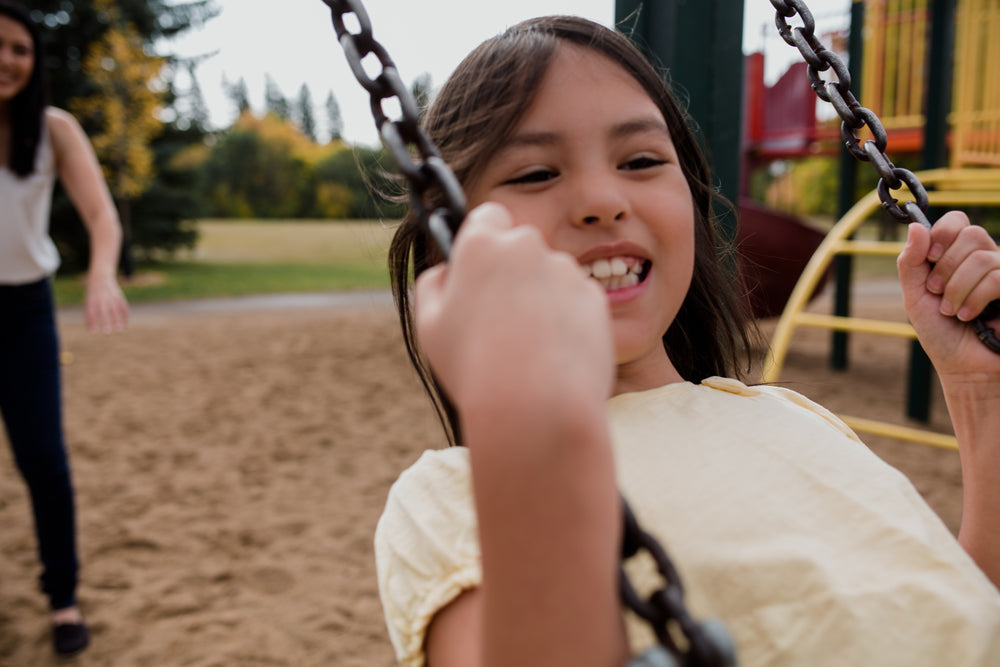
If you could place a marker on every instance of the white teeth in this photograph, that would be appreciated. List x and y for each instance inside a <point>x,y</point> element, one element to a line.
<point>615,273</point>
<point>601,269</point>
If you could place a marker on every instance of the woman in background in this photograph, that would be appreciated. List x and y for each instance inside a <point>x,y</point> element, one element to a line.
<point>38,144</point>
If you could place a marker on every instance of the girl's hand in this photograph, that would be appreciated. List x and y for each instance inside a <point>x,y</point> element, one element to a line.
<point>951,269</point>
<point>105,307</point>
<point>522,343</point>
<point>508,320</point>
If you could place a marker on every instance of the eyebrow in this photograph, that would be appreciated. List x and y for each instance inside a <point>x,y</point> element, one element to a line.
<point>624,129</point>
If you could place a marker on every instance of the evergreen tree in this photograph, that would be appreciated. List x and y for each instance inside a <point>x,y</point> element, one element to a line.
<point>70,28</point>
<point>304,113</point>
<point>274,100</point>
<point>334,121</point>
<point>422,89</point>
<point>239,94</point>
<point>198,109</point>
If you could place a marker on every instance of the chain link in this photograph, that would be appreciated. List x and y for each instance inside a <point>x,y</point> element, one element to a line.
<point>707,643</point>
<point>429,178</point>
<point>837,92</point>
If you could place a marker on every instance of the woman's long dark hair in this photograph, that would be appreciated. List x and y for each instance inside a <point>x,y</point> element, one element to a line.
<point>475,113</point>
<point>27,109</point>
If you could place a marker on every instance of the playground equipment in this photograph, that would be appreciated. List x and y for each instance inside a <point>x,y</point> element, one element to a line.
<point>895,48</point>
<point>946,187</point>
<point>893,71</point>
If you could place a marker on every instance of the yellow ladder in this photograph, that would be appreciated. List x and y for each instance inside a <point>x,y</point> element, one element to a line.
<point>954,188</point>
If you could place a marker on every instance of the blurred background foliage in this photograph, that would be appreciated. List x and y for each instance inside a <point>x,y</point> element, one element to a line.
<point>109,63</point>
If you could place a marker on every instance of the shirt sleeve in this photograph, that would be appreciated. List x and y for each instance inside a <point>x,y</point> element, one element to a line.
<point>426,547</point>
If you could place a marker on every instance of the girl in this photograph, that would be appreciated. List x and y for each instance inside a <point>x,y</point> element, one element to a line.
<point>37,144</point>
<point>588,269</point>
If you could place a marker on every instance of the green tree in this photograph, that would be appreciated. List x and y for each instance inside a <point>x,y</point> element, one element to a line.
<point>70,30</point>
<point>123,111</point>
<point>197,107</point>
<point>275,101</point>
<point>362,173</point>
<point>260,168</point>
<point>422,90</point>
<point>334,121</point>
<point>239,94</point>
<point>304,113</point>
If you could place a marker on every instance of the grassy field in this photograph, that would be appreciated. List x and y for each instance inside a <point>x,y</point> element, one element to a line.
<point>236,258</point>
<point>244,257</point>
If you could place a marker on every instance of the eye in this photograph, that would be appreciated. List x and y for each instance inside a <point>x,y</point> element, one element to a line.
<point>531,177</point>
<point>642,162</point>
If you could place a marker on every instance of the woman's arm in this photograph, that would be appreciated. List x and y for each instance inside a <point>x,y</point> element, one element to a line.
<point>955,268</point>
<point>521,342</point>
<point>80,174</point>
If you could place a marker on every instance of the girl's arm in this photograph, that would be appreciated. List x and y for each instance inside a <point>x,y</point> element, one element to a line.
<point>80,174</point>
<point>521,342</point>
<point>955,269</point>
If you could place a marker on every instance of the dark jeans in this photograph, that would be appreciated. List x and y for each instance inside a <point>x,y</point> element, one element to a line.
<point>31,405</point>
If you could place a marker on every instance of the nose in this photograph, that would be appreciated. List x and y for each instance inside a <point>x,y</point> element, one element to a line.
<point>598,199</point>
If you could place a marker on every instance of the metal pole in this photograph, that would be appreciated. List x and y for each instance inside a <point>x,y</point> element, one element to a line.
<point>700,45</point>
<point>843,265</point>
<point>935,154</point>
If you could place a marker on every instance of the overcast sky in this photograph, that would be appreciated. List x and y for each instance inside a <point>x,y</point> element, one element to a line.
<point>297,45</point>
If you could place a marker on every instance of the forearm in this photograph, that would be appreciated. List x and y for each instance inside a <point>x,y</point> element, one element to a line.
<point>105,242</point>
<point>974,405</point>
<point>549,522</point>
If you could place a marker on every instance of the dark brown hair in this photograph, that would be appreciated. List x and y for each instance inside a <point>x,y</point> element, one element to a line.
<point>475,113</point>
<point>27,109</point>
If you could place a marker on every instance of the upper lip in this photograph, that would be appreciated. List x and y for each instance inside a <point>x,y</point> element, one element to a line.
<point>609,250</point>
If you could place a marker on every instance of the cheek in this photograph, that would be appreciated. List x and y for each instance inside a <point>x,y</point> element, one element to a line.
<point>536,213</point>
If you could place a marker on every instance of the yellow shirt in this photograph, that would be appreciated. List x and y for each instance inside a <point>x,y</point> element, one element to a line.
<point>810,548</point>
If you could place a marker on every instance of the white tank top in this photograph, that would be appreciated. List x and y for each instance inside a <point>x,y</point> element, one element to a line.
<point>27,253</point>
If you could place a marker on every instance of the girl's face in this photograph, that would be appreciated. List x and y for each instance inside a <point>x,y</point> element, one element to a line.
<point>17,57</point>
<point>592,165</point>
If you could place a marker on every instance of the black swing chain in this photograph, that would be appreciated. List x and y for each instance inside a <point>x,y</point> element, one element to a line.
<point>401,136</point>
<point>704,644</point>
<point>854,116</point>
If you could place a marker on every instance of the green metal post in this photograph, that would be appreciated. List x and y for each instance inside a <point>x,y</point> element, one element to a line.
<point>935,154</point>
<point>701,45</point>
<point>843,265</point>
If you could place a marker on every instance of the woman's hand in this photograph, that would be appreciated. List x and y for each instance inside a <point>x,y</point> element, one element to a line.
<point>105,307</point>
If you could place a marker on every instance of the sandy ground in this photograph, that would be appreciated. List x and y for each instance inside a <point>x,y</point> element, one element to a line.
<point>231,462</point>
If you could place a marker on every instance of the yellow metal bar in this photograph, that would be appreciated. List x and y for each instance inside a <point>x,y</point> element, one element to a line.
<point>975,116</point>
<point>946,187</point>
<point>806,285</point>
<point>876,248</point>
<point>874,43</point>
<point>860,325</point>
<point>957,195</point>
<point>920,48</point>
<point>901,432</point>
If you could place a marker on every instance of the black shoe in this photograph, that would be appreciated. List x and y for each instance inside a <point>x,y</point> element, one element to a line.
<point>70,638</point>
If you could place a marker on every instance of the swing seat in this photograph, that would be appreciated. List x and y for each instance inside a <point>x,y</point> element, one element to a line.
<point>954,188</point>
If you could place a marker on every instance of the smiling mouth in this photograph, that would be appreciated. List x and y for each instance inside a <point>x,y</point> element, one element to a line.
<point>615,273</point>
